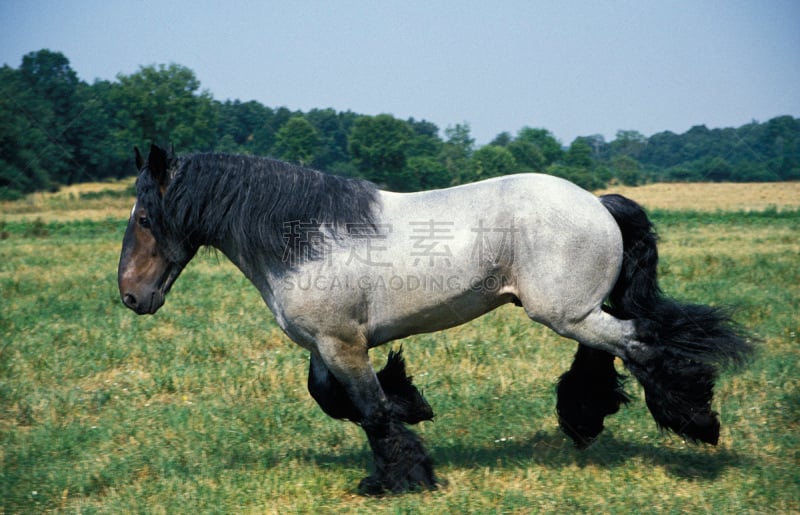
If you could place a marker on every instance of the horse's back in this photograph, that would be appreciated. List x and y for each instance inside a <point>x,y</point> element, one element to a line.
<point>534,238</point>
<point>544,207</point>
<point>522,193</point>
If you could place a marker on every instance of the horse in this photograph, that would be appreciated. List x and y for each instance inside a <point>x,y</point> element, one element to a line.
<point>345,267</point>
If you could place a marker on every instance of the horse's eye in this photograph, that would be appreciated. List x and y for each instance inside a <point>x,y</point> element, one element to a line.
<point>144,222</point>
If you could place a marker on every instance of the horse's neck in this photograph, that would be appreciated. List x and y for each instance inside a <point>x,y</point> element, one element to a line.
<point>257,271</point>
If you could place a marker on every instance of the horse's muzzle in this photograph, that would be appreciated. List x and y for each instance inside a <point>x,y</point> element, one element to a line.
<point>146,300</point>
<point>143,304</point>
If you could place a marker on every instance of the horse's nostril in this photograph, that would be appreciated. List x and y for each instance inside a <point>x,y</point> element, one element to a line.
<point>129,300</point>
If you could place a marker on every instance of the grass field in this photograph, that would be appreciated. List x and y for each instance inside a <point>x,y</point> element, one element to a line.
<point>203,407</point>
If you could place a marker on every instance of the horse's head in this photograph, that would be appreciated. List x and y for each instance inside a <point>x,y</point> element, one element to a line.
<point>153,252</point>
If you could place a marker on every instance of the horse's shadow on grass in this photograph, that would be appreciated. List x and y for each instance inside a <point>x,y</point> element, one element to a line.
<point>554,450</point>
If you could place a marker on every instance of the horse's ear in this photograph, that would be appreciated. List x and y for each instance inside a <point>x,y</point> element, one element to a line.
<point>139,160</point>
<point>158,164</point>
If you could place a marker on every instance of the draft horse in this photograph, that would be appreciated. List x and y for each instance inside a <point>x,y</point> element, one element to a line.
<point>345,267</point>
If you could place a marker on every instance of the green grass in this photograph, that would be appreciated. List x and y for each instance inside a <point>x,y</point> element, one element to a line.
<point>203,407</point>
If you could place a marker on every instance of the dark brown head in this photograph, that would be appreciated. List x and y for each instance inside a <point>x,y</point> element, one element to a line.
<point>149,262</point>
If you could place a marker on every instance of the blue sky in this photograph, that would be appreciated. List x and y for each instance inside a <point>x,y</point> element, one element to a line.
<point>575,68</point>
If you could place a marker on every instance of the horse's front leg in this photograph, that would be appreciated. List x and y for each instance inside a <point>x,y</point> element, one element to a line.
<point>401,462</point>
<point>407,401</point>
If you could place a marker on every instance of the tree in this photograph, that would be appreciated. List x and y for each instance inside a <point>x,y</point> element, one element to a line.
<point>297,141</point>
<point>426,142</point>
<point>492,161</point>
<point>43,125</point>
<point>663,150</point>
<point>423,173</point>
<point>580,176</point>
<point>49,75</point>
<point>782,134</point>
<point>378,145</point>
<point>332,128</point>
<point>715,169</point>
<point>238,122</point>
<point>579,155</point>
<point>265,136</point>
<point>502,140</point>
<point>547,144</point>
<point>527,155</point>
<point>164,104</point>
<point>91,135</point>
<point>24,160</point>
<point>597,142</point>
<point>460,140</point>
<point>50,79</point>
<point>457,150</point>
<point>627,170</point>
<point>629,143</point>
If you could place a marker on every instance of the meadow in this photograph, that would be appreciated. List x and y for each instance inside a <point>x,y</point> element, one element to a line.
<point>203,408</point>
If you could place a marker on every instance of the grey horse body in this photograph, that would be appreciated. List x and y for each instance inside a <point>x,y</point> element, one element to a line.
<point>440,258</point>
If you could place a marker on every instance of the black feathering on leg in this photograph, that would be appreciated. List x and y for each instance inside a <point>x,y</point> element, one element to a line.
<point>589,391</point>
<point>401,462</point>
<point>408,403</point>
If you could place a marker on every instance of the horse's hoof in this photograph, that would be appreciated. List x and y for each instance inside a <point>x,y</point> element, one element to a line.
<point>371,486</point>
<point>374,486</point>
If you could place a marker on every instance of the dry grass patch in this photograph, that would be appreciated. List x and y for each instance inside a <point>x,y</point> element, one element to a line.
<point>86,201</point>
<point>713,196</point>
<point>708,239</point>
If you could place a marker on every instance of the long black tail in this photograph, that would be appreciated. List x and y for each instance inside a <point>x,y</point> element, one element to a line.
<point>684,346</point>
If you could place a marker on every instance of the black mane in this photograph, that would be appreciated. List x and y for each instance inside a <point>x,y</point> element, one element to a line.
<point>270,209</point>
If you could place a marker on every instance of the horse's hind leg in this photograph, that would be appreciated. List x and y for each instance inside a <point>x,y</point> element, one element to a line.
<point>589,391</point>
<point>401,462</point>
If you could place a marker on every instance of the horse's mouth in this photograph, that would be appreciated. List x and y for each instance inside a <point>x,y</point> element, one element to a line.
<point>168,279</point>
<point>165,283</point>
<point>147,304</point>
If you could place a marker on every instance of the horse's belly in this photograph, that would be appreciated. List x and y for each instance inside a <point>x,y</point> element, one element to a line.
<point>384,305</point>
<point>434,306</point>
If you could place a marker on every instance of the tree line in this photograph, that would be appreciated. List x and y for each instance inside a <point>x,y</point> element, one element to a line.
<point>56,129</point>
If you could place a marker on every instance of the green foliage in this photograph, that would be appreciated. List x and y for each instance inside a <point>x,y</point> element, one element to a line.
<point>628,143</point>
<point>491,161</point>
<point>241,126</point>
<point>31,141</point>
<point>333,129</point>
<point>583,177</point>
<point>627,170</point>
<point>425,173</point>
<point>579,155</point>
<point>457,150</point>
<point>547,144</point>
<point>57,130</point>
<point>164,104</point>
<point>528,155</point>
<point>297,141</point>
<point>379,145</point>
<point>754,152</point>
